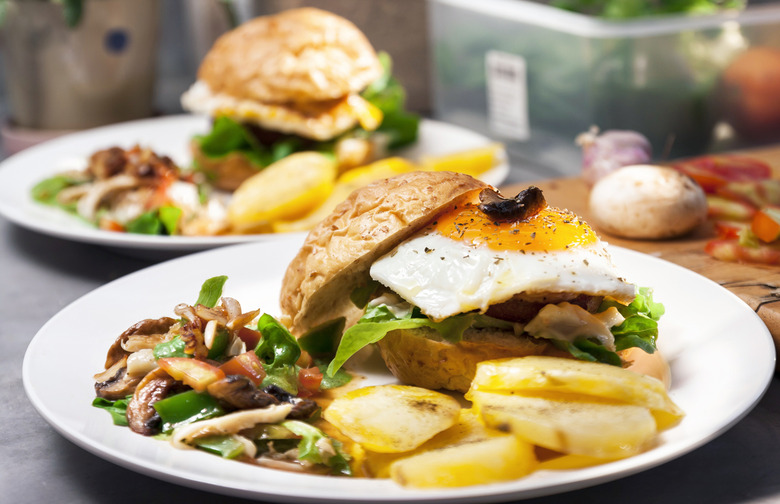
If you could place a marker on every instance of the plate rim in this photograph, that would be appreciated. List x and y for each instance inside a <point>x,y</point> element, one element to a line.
<point>488,493</point>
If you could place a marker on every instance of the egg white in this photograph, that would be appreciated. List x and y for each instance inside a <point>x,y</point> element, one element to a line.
<point>444,277</point>
<point>276,117</point>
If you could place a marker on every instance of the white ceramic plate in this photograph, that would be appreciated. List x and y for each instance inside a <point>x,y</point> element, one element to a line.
<point>168,135</point>
<point>721,356</point>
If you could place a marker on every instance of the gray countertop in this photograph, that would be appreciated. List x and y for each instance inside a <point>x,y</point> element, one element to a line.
<point>41,275</point>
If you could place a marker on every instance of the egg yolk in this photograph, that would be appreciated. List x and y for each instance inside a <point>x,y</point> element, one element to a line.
<point>550,229</point>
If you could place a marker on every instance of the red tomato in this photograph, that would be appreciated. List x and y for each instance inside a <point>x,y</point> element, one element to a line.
<point>729,229</point>
<point>732,251</point>
<point>250,337</point>
<point>309,380</point>
<point>714,171</point>
<point>247,364</point>
<point>193,372</point>
<point>110,225</point>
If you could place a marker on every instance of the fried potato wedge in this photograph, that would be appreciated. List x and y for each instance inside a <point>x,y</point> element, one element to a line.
<point>490,460</point>
<point>472,162</point>
<point>468,429</point>
<point>573,425</point>
<point>539,374</point>
<point>392,418</point>
<point>285,190</point>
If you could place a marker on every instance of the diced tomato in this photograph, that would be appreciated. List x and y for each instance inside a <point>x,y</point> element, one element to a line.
<point>309,380</point>
<point>110,225</point>
<point>250,337</point>
<point>247,364</point>
<point>766,224</point>
<point>729,229</point>
<point>160,195</point>
<point>193,372</point>
<point>732,251</point>
<point>719,208</point>
<point>714,171</point>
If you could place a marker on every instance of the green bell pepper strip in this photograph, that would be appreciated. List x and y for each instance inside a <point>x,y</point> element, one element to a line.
<point>185,408</point>
<point>223,445</point>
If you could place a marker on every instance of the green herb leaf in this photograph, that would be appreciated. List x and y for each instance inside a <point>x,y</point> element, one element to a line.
<point>211,291</point>
<point>169,217</point>
<point>277,347</point>
<point>311,440</point>
<point>117,409</point>
<point>46,190</point>
<point>147,223</point>
<point>172,348</point>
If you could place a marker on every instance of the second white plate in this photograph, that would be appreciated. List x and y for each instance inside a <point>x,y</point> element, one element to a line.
<point>170,136</point>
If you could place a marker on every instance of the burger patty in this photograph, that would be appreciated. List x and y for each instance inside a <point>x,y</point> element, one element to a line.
<point>522,308</point>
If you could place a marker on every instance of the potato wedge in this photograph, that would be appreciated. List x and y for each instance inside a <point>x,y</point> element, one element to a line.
<point>539,374</point>
<point>468,429</point>
<point>285,190</point>
<point>472,162</point>
<point>383,168</point>
<point>481,462</point>
<point>392,418</point>
<point>591,427</point>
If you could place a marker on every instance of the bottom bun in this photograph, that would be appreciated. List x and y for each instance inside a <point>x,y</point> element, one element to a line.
<point>225,172</point>
<point>421,357</point>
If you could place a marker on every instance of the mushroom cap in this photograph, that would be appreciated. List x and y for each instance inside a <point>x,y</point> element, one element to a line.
<point>647,202</point>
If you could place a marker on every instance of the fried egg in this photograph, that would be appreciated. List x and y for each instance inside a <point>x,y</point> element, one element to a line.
<point>466,261</point>
<point>315,120</point>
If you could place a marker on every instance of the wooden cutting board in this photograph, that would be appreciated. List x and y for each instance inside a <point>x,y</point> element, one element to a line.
<point>757,285</point>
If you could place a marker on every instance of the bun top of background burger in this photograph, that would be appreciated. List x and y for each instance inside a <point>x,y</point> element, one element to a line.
<point>303,79</point>
<point>442,272</point>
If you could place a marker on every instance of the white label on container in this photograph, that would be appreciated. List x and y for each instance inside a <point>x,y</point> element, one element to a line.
<point>507,95</point>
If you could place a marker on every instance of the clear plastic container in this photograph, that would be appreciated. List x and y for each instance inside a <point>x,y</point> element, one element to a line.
<point>534,76</point>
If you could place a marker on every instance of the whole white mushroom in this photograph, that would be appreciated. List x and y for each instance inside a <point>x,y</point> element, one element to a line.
<point>647,202</point>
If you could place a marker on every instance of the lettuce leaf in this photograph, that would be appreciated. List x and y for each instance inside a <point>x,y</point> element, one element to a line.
<point>639,329</point>
<point>389,96</point>
<point>378,320</point>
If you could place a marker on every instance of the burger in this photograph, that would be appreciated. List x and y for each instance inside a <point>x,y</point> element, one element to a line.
<point>303,79</point>
<point>441,271</point>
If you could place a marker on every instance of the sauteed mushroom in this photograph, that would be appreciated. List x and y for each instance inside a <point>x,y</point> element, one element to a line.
<point>525,205</point>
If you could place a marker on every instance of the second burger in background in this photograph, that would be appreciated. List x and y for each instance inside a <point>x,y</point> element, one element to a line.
<point>303,79</point>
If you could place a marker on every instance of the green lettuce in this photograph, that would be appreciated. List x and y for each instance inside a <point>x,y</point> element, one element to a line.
<point>378,320</point>
<point>639,329</point>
